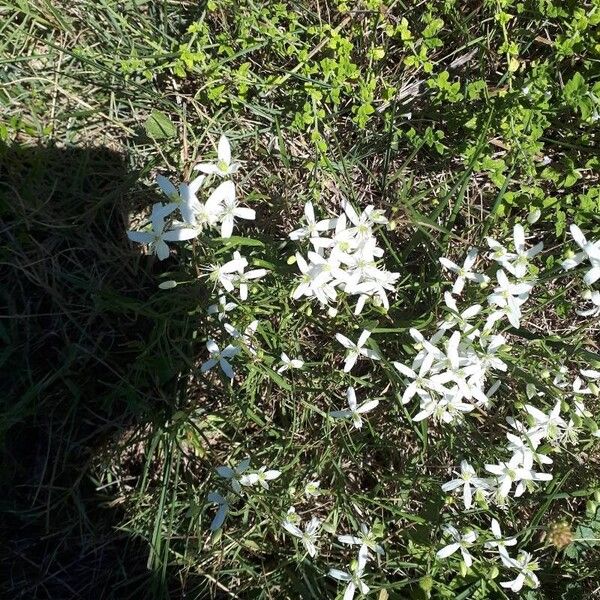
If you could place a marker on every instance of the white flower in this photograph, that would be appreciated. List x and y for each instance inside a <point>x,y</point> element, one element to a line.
<point>460,542</point>
<point>262,477</point>
<point>289,363</point>
<point>312,488</point>
<point>455,317</point>
<point>549,425</point>
<point>420,384</point>
<point>221,308</point>
<point>224,166</point>
<point>499,253</point>
<point>225,275</point>
<point>595,310</point>
<point>308,537</point>
<point>222,511</point>
<point>312,227</point>
<point>242,280</point>
<point>465,272</point>
<point>353,578</point>
<point>315,281</point>
<point>230,209</point>
<point>246,338</point>
<point>509,297</point>
<point>589,250</point>
<point>467,478</point>
<point>365,539</point>
<point>208,214</point>
<point>518,266</point>
<point>220,357</point>
<point>236,474</point>
<point>157,237</point>
<point>499,542</point>
<point>516,470</point>
<point>183,198</point>
<point>354,411</point>
<point>526,566</point>
<point>356,350</point>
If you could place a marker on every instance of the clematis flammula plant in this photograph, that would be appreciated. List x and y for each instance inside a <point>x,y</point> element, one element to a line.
<point>354,412</point>
<point>262,477</point>
<point>519,265</point>
<point>499,542</point>
<point>353,578</point>
<point>224,165</point>
<point>231,210</point>
<point>222,511</point>
<point>157,237</point>
<point>235,475</point>
<point>468,479</point>
<point>365,539</point>
<point>289,363</point>
<point>517,470</point>
<point>184,198</point>
<point>220,357</point>
<point>356,349</point>
<point>460,542</point>
<point>225,274</point>
<point>589,251</point>
<point>313,227</point>
<point>526,566</point>
<point>308,537</point>
<point>465,273</point>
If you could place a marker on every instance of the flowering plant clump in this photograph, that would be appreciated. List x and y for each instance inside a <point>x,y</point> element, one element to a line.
<point>344,434</point>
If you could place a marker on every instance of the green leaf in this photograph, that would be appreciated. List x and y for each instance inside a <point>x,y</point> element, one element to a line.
<point>159,126</point>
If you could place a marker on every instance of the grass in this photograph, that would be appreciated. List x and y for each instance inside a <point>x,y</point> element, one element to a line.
<point>110,433</point>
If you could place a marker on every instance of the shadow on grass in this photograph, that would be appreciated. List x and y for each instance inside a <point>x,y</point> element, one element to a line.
<point>75,374</point>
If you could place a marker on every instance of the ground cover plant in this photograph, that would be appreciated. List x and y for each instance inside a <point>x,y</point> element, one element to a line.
<point>301,299</point>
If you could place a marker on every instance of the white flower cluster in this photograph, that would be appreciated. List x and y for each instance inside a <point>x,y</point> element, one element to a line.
<point>524,447</point>
<point>219,210</point>
<point>366,540</point>
<point>345,257</point>
<point>450,372</point>
<point>524,563</point>
<point>590,251</point>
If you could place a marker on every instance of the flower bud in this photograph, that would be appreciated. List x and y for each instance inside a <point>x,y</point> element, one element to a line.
<point>426,583</point>
<point>534,216</point>
<point>167,285</point>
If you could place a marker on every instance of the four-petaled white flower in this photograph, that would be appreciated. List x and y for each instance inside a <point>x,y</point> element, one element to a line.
<point>519,265</point>
<point>308,537</point>
<point>354,412</point>
<point>365,539</point>
<point>589,251</point>
<point>353,578</point>
<point>499,542</point>
<point>219,357</point>
<point>526,566</point>
<point>460,542</point>
<point>157,237</point>
<point>356,350</point>
<point>289,363</point>
<point>262,477</point>
<point>183,198</point>
<point>312,227</point>
<point>467,479</point>
<point>224,165</point>
<point>465,273</point>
